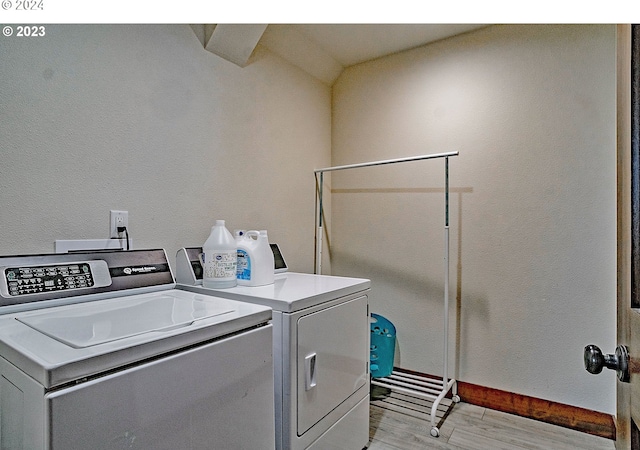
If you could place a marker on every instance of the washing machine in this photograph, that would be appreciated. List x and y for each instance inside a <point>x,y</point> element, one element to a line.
<point>320,349</point>
<point>100,351</point>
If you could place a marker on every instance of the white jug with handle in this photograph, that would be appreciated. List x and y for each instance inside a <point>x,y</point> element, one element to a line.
<point>219,258</point>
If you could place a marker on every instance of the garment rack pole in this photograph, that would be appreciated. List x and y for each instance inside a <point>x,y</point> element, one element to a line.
<point>398,380</point>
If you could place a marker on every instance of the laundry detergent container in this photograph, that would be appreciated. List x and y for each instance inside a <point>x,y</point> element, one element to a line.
<point>382,346</point>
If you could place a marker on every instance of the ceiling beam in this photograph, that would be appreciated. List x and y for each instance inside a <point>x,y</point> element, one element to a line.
<point>233,42</point>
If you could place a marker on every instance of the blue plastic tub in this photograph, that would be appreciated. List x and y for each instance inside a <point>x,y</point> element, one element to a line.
<point>382,346</point>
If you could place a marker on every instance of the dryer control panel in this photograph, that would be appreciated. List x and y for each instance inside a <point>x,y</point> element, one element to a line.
<point>28,280</point>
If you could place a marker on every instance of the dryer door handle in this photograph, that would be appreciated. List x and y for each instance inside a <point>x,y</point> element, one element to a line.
<point>310,372</point>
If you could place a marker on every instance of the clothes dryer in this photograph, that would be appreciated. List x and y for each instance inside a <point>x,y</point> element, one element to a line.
<point>320,350</point>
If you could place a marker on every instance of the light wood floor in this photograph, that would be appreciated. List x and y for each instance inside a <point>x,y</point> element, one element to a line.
<point>399,421</point>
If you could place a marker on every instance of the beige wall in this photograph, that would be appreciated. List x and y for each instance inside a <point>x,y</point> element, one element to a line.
<point>142,118</point>
<point>532,111</point>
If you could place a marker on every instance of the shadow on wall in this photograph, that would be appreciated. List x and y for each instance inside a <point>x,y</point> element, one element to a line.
<point>349,262</point>
<point>396,280</point>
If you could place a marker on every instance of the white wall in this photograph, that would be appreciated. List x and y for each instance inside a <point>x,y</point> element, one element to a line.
<point>532,111</point>
<point>142,118</point>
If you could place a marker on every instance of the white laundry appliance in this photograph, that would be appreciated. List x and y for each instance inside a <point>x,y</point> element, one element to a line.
<point>100,351</point>
<point>320,350</point>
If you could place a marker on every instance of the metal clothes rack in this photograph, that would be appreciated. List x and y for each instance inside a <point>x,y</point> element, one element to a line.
<point>435,389</point>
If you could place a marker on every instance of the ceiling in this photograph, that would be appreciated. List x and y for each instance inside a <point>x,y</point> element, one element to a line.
<point>322,50</point>
<point>353,44</point>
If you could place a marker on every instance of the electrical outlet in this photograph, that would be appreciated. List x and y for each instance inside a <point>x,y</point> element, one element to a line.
<point>118,219</point>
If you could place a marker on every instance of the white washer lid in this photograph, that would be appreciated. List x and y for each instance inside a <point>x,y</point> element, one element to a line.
<point>52,361</point>
<point>291,291</point>
<point>89,324</point>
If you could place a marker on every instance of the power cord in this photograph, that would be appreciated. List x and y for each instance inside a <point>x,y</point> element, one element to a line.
<point>126,233</point>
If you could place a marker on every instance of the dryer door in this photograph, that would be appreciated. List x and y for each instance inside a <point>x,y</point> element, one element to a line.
<point>332,356</point>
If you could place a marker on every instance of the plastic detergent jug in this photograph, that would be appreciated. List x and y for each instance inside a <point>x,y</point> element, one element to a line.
<point>255,259</point>
<point>245,242</point>
<point>219,258</point>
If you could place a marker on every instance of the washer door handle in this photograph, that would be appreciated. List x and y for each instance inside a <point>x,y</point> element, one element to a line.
<point>310,372</point>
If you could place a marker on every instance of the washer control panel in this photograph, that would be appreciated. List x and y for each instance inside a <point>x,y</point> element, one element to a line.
<point>42,279</point>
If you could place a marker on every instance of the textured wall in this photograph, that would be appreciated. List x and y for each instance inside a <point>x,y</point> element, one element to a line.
<point>142,118</point>
<point>532,111</point>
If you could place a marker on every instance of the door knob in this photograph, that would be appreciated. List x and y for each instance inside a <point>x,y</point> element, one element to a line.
<point>595,360</point>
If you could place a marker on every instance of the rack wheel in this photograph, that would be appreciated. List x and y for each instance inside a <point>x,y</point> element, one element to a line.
<point>455,398</point>
<point>435,432</point>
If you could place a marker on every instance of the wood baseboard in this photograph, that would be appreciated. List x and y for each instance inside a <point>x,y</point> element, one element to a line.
<point>573,417</point>
<point>585,420</point>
